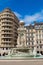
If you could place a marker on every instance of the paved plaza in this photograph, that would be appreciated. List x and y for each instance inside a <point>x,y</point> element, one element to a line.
<point>22,62</point>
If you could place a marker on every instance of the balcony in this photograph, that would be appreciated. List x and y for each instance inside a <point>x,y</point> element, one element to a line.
<point>7,37</point>
<point>7,45</point>
<point>7,33</point>
<point>8,13</point>
<point>7,25</point>
<point>10,17</point>
<point>6,21</point>
<point>6,28</point>
<point>3,42</point>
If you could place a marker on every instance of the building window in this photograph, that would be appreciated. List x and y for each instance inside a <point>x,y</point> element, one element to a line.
<point>3,48</point>
<point>29,39</point>
<point>40,46</point>
<point>37,46</point>
<point>37,41</point>
<point>6,48</point>
<point>32,38</point>
<point>32,43</point>
<point>40,41</point>
<point>33,47</point>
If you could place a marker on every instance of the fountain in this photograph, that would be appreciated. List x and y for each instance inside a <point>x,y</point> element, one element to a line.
<point>21,53</point>
<point>34,52</point>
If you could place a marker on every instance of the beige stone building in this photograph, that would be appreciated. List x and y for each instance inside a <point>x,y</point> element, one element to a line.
<point>39,37</point>
<point>8,29</point>
<point>33,37</point>
<point>30,37</point>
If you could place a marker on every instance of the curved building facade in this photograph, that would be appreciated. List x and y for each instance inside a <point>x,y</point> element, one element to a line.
<point>8,29</point>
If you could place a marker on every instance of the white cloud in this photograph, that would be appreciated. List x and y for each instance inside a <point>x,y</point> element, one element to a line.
<point>28,19</point>
<point>18,15</point>
<point>35,17</point>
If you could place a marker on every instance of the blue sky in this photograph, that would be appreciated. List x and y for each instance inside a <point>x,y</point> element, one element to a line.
<point>26,10</point>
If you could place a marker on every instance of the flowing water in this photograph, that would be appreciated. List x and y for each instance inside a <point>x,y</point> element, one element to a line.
<point>20,56</point>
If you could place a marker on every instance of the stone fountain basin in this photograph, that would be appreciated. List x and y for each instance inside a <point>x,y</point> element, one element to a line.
<point>21,54</point>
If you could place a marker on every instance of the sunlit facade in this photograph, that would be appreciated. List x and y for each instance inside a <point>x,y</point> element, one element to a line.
<point>8,29</point>
<point>39,37</point>
<point>33,37</point>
